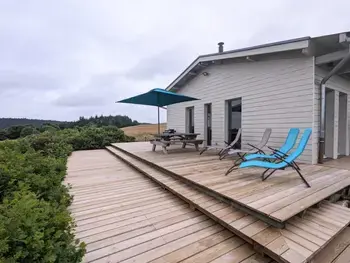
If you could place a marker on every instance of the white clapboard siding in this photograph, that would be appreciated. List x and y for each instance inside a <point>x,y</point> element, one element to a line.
<point>275,94</point>
<point>336,83</point>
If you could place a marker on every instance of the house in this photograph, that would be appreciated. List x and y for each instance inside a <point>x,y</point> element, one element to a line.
<point>302,82</point>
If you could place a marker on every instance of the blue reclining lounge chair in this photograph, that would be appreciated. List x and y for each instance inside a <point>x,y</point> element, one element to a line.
<point>255,149</point>
<point>285,161</point>
<point>287,146</point>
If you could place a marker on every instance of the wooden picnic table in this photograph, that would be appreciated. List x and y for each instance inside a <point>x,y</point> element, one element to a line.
<point>167,139</point>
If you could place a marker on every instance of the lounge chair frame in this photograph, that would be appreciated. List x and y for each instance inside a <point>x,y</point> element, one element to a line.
<point>223,151</point>
<point>284,149</point>
<point>293,165</point>
<point>283,158</point>
<point>255,149</point>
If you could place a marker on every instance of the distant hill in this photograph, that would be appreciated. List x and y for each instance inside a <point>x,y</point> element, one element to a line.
<point>8,122</point>
<point>117,120</point>
<point>14,128</point>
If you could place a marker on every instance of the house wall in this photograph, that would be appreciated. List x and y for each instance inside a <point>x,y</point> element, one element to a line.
<point>335,83</point>
<point>275,94</point>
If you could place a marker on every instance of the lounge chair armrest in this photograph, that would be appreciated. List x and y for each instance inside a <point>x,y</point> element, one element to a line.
<point>251,145</point>
<point>275,151</point>
<point>272,149</point>
<point>282,158</point>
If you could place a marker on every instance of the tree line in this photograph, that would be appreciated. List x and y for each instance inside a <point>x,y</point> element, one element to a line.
<point>19,128</point>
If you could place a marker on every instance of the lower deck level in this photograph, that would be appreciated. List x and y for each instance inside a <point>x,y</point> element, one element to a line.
<point>125,217</point>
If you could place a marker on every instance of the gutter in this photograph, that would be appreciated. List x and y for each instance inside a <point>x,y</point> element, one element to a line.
<point>321,149</point>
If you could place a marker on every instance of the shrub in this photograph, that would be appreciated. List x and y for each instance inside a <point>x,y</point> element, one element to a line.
<point>3,135</point>
<point>92,137</point>
<point>35,224</point>
<point>28,130</point>
<point>37,231</point>
<point>14,132</point>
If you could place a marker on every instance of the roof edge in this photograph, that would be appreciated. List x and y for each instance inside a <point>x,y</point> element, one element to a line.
<point>285,45</point>
<point>259,46</point>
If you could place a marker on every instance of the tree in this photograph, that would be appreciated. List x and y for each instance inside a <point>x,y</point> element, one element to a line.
<point>49,127</point>
<point>28,130</point>
<point>3,135</point>
<point>14,132</point>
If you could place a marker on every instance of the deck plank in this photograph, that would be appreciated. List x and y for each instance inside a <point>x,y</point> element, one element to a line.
<point>335,248</point>
<point>136,219</point>
<point>293,244</point>
<point>216,251</point>
<point>194,248</point>
<point>274,198</point>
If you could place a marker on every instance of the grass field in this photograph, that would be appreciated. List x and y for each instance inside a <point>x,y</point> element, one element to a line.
<point>144,132</point>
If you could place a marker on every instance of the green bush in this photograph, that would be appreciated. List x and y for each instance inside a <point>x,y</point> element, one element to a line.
<point>35,225</point>
<point>14,132</point>
<point>34,230</point>
<point>95,137</point>
<point>28,130</point>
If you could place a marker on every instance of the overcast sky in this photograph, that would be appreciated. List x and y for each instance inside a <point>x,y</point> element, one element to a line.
<point>68,58</point>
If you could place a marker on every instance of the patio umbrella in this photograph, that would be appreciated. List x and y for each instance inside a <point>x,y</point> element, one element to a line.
<point>158,98</point>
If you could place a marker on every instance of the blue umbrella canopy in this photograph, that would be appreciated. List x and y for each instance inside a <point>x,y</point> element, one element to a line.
<point>157,97</point>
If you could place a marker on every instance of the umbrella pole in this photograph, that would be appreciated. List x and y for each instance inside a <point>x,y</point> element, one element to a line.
<point>158,122</point>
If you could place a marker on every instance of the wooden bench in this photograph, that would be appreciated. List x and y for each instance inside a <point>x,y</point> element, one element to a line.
<point>167,143</point>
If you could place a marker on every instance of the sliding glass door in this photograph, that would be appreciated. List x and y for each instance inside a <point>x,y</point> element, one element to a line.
<point>234,118</point>
<point>190,119</point>
<point>207,123</point>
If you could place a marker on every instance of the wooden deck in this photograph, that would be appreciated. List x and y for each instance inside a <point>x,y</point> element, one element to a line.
<point>337,251</point>
<point>124,217</point>
<point>342,163</point>
<point>274,201</point>
<point>299,242</point>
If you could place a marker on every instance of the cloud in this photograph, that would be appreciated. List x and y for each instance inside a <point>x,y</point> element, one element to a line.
<point>163,63</point>
<point>16,81</point>
<point>64,59</point>
<point>95,93</point>
<point>80,100</point>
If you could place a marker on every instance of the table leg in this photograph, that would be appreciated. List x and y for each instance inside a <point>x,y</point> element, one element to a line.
<point>153,147</point>
<point>164,149</point>
<point>183,145</point>
<point>196,145</point>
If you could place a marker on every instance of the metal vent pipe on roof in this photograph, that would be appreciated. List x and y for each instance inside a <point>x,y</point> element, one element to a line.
<point>221,47</point>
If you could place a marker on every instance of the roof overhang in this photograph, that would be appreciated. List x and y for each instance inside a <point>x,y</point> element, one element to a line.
<point>329,48</point>
<point>205,60</point>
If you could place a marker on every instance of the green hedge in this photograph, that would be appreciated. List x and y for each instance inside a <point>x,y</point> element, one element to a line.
<point>35,225</point>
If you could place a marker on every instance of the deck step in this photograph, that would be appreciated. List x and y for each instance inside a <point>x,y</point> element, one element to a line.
<point>299,241</point>
<point>337,251</point>
<point>273,201</point>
